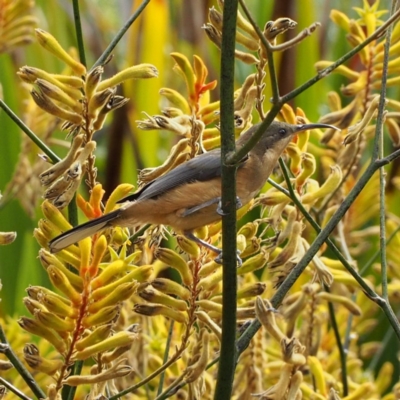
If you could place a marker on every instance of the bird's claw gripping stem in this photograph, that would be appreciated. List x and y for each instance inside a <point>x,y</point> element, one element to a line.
<point>219,208</point>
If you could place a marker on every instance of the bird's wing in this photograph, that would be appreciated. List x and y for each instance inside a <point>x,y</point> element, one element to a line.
<point>202,168</point>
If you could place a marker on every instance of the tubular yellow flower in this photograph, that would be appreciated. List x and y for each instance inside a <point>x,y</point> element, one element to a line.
<point>205,318</point>
<point>150,310</point>
<point>56,323</point>
<point>141,274</point>
<point>295,157</point>
<point>50,43</point>
<point>37,328</point>
<point>176,99</point>
<point>54,305</point>
<point>141,71</point>
<point>308,163</point>
<point>122,292</point>
<point>52,108</point>
<point>122,338</point>
<point>54,215</point>
<point>61,282</point>
<point>154,296</point>
<point>188,246</point>
<point>249,230</point>
<point>318,374</point>
<point>330,185</point>
<point>174,260</point>
<point>253,263</point>
<point>30,74</point>
<point>108,274</point>
<point>170,287</point>
<point>99,334</point>
<point>211,280</point>
<point>344,301</point>
<point>38,363</point>
<point>104,316</point>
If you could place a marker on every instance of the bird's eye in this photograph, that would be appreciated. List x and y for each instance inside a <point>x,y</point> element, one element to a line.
<point>282,131</point>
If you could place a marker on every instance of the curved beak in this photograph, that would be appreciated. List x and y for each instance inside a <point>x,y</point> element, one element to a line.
<point>306,127</point>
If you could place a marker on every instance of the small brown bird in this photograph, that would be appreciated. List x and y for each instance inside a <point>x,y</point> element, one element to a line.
<point>188,196</point>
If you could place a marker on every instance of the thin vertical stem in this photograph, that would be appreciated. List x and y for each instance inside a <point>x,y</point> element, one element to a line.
<point>227,361</point>
<point>78,30</point>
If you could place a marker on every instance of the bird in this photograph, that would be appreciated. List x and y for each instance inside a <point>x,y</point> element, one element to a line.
<point>188,196</point>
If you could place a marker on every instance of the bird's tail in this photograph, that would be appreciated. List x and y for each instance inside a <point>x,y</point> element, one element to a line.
<point>82,231</point>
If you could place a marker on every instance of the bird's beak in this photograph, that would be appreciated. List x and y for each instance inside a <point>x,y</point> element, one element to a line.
<point>306,127</point>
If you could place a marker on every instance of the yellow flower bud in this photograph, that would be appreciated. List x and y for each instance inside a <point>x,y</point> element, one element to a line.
<point>170,287</point>
<point>188,246</point>
<point>55,217</point>
<point>205,318</point>
<point>140,274</point>
<point>329,186</point>
<point>340,19</point>
<point>93,78</point>
<point>99,334</point>
<point>249,230</point>
<point>49,42</point>
<point>48,259</point>
<point>154,296</point>
<point>55,93</point>
<point>61,282</point>
<point>38,363</point>
<point>118,193</point>
<point>56,323</point>
<point>38,329</point>
<point>344,301</point>
<point>141,71</point>
<point>211,280</point>
<point>122,338</point>
<point>309,166</point>
<point>52,108</point>
<point>122,292</point>
<point>98,101</point>
<point>253,263</point>
<point>57,306</point>
<point>7,237</point>
<point>175,261</point>
<point>176,99</point>
<point>103,316</point>
<point>30,74</point>
<point>151,310</point>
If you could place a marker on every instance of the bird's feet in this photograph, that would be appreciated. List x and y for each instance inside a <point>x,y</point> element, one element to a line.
<point>219,208</point>
<point>219,258</point>
<point>215,249</point>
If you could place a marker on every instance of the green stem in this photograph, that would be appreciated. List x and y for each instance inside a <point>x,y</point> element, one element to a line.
<point>342,353</point>
<point>22,371</point>
<point>78,30</point>
<point>227,362</point>
<point>13,389</point>
<point>35,139</point>
<point>378,152</point>
<point>69,393</point>
<point>166,354</point>
<point>102,59</point>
